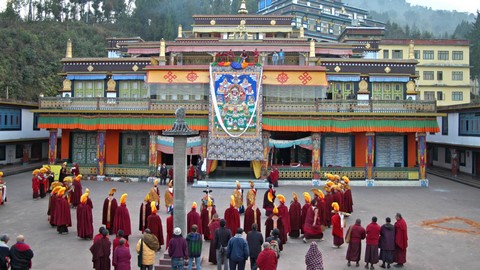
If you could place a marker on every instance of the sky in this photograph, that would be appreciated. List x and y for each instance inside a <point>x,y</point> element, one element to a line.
<point>470,6</point>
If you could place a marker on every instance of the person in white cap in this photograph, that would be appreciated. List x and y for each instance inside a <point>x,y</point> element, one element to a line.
<point>177,249</point>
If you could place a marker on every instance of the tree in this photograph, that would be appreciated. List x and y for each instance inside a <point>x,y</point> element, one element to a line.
<point>474,37</point>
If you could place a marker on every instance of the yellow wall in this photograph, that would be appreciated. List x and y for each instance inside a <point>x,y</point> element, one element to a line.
<point>446,85</point>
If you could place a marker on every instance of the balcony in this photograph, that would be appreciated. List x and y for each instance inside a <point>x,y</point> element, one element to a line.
<point>269,105</point>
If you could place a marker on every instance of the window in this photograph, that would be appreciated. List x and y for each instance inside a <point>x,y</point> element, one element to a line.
<point>435,153</point>
<point>397,54</point>
<point>35,121</point>
<point>10,119</point>
<point>442,55</point>
<point>386,54</point>
<point>439,75</point>
<point>469,124</point>
<point>89,88</point>
<point>3,152</point>
<point>457,75</point>
<point>444,125</point>
<point>457,96</point>
<point>457,55</point>
<point>428,55</point>
<point>416,53</point>
<point>439,95</point>
<point>429,95</point>
<point>18,151</point>
<point>428,75</point>
<point>132,89</point>
<point>448,156</point>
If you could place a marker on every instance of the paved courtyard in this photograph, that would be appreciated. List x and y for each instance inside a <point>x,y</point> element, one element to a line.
<point>429,248</point>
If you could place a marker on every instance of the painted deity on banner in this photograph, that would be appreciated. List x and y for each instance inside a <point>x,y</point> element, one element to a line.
<point>370,152</point>
<point>236,97</point>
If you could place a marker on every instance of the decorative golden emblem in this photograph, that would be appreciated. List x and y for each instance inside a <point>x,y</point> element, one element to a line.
<point>213,22</point>
<point>67,85</point>
<point>337,69</point>
<point>387,70</point>
<point>273,22</point>
<point>135,68</point>
<point>90,68</point>
<point>111,85</point>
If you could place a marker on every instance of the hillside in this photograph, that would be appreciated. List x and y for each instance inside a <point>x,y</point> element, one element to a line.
<point>440,23</point>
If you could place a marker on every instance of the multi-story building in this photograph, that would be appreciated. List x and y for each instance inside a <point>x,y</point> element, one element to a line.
<point>315,110</point>
<point>323,20</point>
<point>443,67</point>
<point>21,140</point>
<point>457,145</point>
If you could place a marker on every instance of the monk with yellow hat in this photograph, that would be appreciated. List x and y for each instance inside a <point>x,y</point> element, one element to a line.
<point>77,191</point>
<point>275,221</point>
<point>145,211</point>
<point>337,228</point>
<point>328,202</point>
<point>206,215</point>
<point>109,209</point>
<point>232,216</point>
<point>63,218</point>
<point>305,207</point>
<point>169,195</point>
<point>238,197</point>
<point>347,195</point>
<point>193,217</point>
<point>313,221</point>
<point>122,218</point>
<point>84,218</point>
<point>295,213</point>
<point>283,212</point>
<point>35,184</point>
<point>3,190</point>
<point>155,224</point>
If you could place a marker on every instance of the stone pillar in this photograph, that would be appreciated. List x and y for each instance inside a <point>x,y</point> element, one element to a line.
<point>180,131</point>
<point>422,158</point>
<point>52,146</point>
<point>266,152</point>
<point>316,156</point>
<point>370,157</point>
<point>152,161</point>
<point>100,154</point>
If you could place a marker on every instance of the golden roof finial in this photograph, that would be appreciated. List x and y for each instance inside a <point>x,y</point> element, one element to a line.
<point>69,53</point>
<point>243,8</point>
<point>162,48</point>
<point>180,30</point>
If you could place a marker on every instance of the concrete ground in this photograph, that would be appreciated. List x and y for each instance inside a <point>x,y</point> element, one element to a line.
<point>429,248</point>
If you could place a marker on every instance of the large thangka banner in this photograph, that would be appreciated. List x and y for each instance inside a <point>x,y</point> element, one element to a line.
<point>235,130</point>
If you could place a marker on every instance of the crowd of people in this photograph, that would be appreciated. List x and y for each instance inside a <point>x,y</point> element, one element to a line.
<point>231,244</point>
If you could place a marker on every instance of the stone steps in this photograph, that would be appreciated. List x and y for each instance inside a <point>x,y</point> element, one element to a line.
<point>229,184</point>
<point>165,263</point>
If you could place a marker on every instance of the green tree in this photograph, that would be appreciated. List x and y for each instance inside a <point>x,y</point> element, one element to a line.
<point>474,37</point>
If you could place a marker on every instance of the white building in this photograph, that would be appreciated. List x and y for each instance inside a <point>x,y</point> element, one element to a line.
<point>20,139</point>
<point>458,141</point>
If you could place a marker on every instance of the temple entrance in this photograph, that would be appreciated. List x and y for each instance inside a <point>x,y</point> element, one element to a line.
<point>232,170</point>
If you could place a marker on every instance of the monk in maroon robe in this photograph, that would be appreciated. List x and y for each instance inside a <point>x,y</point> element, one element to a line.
<point>328,205</point>
<point>193,217</point>
<point>206,216</point>
<point>283,213</point>
<point>77,191</point>
<point>347,196</point>
<point>295,213</point>
<point>190,174</point>
<point>84,219</point>
<point>274,221</point>
<point>337,228</point>
<point>320,205</point>
<point>89,201</point>
<point>373,236</point>
<point>268,200</point>
<point>357,234</point>
<point>170,225</point>
<point>312,229</point>
<point>252,215</point>
<point>305,208</point>
<point>42,178</point>
<point>338,196</point>
<point>122,218</point>
<point>155,224</point>
<point>232,216</point>
<point>387,243</point>
<point>101,252</point>
<point>109,209</point>
<point>115,244</point>
<point>35,184</point>
<point>145,211</point>
<point>63,218</point>
<point>51,205</point>
<point>212,227</point>
<point>401,240</point>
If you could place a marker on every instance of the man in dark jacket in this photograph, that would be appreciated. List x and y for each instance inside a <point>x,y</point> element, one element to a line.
<point>21,255</point>
<point>4,252</point>
<point>177,249</point>
<point>194,242</point>
<point>237,251</point>
<point>255,241</point>
<point>387,243</point>
<point>220,241</point>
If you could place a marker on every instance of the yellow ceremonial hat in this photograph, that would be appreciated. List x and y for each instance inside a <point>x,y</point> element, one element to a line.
<point>67,179</point>
<point>232,200</point>
<point>336,207</point>
<point>238,184</point>
<point>56,189</point>
<point>318,192</point>
<point>194,205</point>
<point>83,198</point>
<point>281,198</point>
<point>123,198</point>
<point>295,197</point>
<point>275,209</point>
<point>36,171</point>
<point>61,191</point>
<point>153,206</point>
<point>156,181</point>
<point>78,177</point>
<point>112,191</point>
<point>307,197</point>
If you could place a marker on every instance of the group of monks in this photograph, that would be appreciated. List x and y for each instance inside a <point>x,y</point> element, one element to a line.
<point>3,190</point>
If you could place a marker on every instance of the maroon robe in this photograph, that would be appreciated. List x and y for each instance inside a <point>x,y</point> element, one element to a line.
<point>354,250</point>
<point>193,217</point>
<point>372,236</point>
<point>84,221</point>
<point>233,219</point>
<point>212,227</point>
<point>328,209</point>
<point>108,220</point>
<point>122,221</point>
<point>269,228</point>
<point>387,242</point>
<point>145,211</point>
<point>101,254</point>
<point>76,193</point>
<point>311,231</point>
<point>115,244</point>
<point>155,226</point>
<point>337,230</point>
<point>401,241</point>
<point>295,213</point>
<point>347,201</point>
<point>62,213</point>
<point>267,205</point>
<point>249,219</point>
<point>283,212</point>
<point>169,229</point>
<point>35,186</point>
<point>89,202</point>
<point>305,208</point>
<point>206,221</point>
<point>51,209</point>
<point>320,206</point>
<point>338,198</point>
